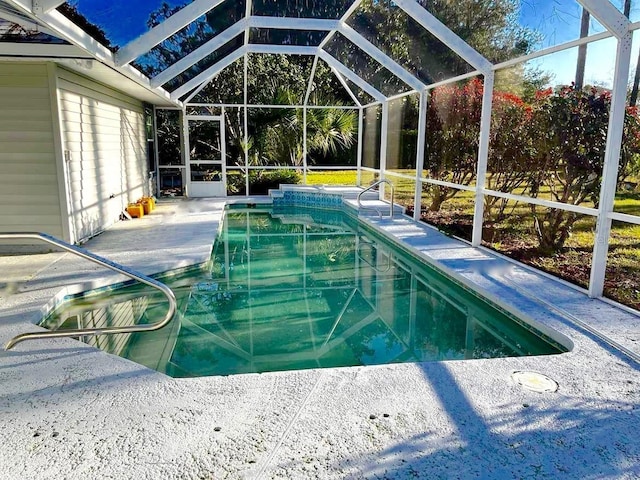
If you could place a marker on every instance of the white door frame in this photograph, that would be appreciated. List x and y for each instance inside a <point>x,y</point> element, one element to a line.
<point>205,188</point>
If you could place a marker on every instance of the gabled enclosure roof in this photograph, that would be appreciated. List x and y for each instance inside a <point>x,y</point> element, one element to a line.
<point>348,35</point>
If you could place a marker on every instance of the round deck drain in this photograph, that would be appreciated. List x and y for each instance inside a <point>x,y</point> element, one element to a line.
<point>534,381</point>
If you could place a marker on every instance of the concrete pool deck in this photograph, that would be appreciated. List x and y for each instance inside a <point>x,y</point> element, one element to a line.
<point>68,410</point>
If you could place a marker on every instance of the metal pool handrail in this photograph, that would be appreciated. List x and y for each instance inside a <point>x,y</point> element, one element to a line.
<point>384,180</point>
<point>166,291</point>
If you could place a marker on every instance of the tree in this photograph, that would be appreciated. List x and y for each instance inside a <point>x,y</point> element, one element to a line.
<point>491,27</point>
<point>569,129</point>
<point>511,153</point>
<point>279,139</point>
<point>453,130</point>
<point>97,33</point>
<point>453,114</point>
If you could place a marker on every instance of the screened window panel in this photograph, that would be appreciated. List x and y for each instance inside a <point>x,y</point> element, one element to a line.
<point>453,131</point>
<point>632,10</point>
<point>532,234</point>
<point>627,198</point>
<point>368,69</point>
<point>277,36</point>
<point>14,33</point>
<point>326,88</point>
<point>448,209</point>
<point>191,37</point>
<point>505,30</point>
<point>330,9</point>
<point>172,181</point>
<point>408,43</point>
<point>277,79</point>
<point>276,136</point>
<point>560,68</point>
<point>168,125</point>
<point>368,178</point>
<point>332,136</point>
<point>204,140</point>
<point>119,22</point>
<point>548,138</point>
<point>236,181</point>
<point>205,63</point>
<point>226,87</point>
<point>403,190</point>
<point>402,134</point>
<point>622,275</point>
<point>361,95</point>
<point>206,111</point>
<point>344,157</point>
<point>234,136</point>
<point>184,97</point>
<point>372,127</point>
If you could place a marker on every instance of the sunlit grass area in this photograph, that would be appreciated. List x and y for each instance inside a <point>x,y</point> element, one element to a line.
<point>332,177</point>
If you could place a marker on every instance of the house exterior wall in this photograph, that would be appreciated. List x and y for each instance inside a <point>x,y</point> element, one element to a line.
<point>29,179</point>
<point>104,144</point>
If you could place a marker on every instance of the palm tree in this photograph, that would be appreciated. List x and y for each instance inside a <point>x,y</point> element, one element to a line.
<point>329,130</point>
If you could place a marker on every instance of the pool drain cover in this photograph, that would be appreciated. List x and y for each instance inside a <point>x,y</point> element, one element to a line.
<point>534,381</point>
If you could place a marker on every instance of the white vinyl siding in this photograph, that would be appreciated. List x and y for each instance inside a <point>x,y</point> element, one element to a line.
<point>29,192</point>
<point>103,135</point>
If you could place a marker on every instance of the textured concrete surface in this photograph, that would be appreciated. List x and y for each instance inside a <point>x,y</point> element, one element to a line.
<point>70,411</point>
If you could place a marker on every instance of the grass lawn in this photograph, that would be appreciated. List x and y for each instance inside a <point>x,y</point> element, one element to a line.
<point>332,177</point>
<point>514,235</point>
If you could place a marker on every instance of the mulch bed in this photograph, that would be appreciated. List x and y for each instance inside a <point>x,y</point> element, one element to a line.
<point>570,264</point>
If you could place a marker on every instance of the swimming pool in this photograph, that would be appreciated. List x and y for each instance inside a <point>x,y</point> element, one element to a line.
<point>293,288</point>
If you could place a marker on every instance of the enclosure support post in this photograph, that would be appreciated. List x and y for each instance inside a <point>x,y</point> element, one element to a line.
<point>483,154</point>
<point>311,79</point>
<point>611,162</point>
<point>223,150</point>
<point>185,152</point>
<point>246,128</point>
<point>304,144</point>
<point>156,151</point>
<point>384,131</point>
<point>304,120</point>
<point>422,128</point>
<point>360,138</point>
<point>344,84</point>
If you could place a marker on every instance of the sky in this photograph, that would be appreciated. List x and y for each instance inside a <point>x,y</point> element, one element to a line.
<point>122,20</point>
<point>558,21</point>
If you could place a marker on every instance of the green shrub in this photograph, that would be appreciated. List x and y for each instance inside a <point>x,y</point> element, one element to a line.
<point>260,181</point>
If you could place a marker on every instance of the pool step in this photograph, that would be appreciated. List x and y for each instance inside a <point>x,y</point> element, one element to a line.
<point>373,207</point>
<point>371,204</point>
<point>346,192</point>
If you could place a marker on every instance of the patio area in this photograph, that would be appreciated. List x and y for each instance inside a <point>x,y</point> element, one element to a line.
<point>506,131</point>
<point>72,411</point>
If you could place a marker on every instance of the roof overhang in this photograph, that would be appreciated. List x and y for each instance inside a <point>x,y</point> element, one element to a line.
<point>77,60</point>
<point>84,55</point>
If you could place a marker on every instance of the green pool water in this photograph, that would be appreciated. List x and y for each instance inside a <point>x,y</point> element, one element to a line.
<point>301,288</point>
